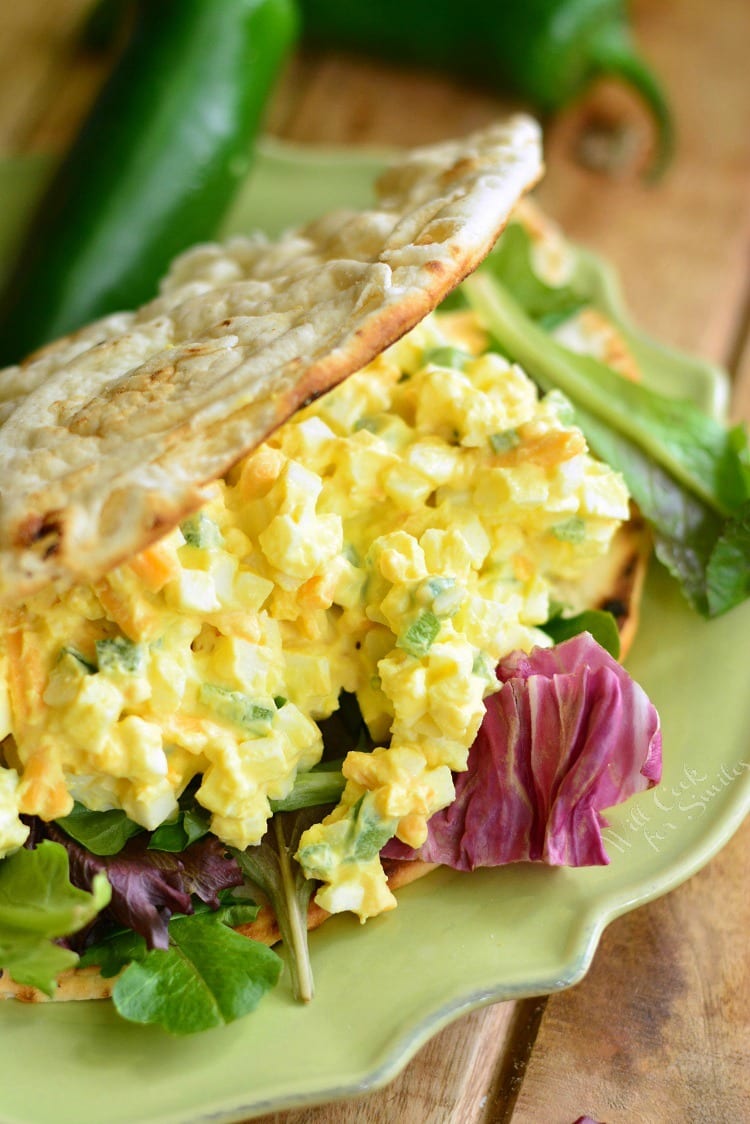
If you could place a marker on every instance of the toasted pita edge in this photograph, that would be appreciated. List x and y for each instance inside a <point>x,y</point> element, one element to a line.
<point>125,423</point>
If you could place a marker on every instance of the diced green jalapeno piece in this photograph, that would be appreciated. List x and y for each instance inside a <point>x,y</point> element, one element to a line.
<point>572,530</point>
<point>437,586</point>
<point>452,357</point>
<point>368,832</point>
<point>505,441</point>
<point>484,669</point>
<point>442,595</point>
<point>419,636</point>
<point>201,531</point>
<point>118,654</point>
<point>237,708</point>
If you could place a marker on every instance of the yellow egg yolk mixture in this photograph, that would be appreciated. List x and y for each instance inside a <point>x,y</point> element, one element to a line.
<point>394,540</point>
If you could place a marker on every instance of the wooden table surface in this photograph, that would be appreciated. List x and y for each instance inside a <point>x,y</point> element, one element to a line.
<point>659,1030</point>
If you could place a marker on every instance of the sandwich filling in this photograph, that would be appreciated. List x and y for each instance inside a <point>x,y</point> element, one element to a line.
<point>395,539</point>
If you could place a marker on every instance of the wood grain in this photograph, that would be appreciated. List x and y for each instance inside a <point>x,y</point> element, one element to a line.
<point>355,100</point>
<point>46,82</point>
<point>461,1058</point>
<point>741,400</point>
<point>658,1031</point>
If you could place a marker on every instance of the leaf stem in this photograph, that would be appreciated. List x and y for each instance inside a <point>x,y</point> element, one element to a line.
<point>297,936</point>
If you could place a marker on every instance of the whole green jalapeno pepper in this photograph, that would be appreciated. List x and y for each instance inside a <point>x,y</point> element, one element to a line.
<point>545,50</point>
<point>154,167</point>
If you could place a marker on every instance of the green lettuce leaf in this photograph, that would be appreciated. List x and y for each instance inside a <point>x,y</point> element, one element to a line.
<point>114,952</point>
<point>727,571</point>
<point>122,946</point>
<point>190,825</point>
<point>511,263</point>
<point>106,833</point>
<point>321,785</point>
<point>599,623</point>
<point>102,833</point>
<point>37,905</point>
<point>704,551</point>
<point>209,976</point>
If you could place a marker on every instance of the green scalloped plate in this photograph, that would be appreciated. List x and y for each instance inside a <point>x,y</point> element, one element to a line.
<point>457,941</point>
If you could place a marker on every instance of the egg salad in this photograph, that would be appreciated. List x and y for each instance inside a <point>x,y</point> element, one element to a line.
<point>395,539</point>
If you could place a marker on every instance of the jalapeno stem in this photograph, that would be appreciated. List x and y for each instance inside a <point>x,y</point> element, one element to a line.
<point>613,53</point>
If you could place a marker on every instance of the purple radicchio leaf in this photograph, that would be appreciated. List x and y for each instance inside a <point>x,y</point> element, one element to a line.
<point>568,735</point>
<point>149,886</point>
<point>207,869</point>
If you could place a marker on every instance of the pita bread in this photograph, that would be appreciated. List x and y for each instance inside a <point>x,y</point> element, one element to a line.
<point>110,435</point>
<point>239,338</point>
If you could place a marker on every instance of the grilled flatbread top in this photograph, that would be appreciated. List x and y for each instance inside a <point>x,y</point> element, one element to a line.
<point>109,435</point>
